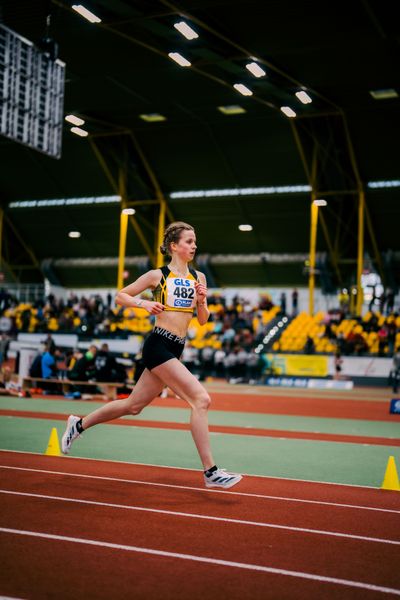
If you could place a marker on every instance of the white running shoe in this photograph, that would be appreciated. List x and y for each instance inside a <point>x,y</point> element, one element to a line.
<point>221,479</point>
<point>71,433</point>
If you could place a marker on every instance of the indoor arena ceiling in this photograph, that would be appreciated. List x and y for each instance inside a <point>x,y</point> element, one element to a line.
<point>119,69</point>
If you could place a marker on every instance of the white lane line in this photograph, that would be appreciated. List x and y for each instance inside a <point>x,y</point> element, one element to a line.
<point>204,559</point>
<point>198,489</point>
<point>204,517</point>
<point>175,468</point>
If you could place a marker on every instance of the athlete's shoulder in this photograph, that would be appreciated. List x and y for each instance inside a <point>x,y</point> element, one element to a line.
<point>153,276</point>
<point>200,276</point>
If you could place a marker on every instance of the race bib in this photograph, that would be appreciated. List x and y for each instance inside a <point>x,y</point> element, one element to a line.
<point>180,292</point>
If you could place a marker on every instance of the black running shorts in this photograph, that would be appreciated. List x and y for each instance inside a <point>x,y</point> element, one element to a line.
<point>160,346</point>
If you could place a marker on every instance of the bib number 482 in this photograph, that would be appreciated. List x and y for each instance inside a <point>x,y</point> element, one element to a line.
<point>181,292</point>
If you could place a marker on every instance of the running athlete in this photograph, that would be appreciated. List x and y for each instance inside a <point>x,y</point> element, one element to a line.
<point>177,291</point>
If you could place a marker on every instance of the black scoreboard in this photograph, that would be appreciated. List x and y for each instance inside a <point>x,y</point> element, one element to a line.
<point>31,94</point>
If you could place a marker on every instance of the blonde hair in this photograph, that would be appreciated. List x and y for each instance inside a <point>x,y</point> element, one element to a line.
<point>173,234</point>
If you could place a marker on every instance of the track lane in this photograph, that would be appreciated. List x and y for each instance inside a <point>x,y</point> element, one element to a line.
<point>366,561</point>
<point>87,572</point>
<point>278,512</point>
<point>324,492</point>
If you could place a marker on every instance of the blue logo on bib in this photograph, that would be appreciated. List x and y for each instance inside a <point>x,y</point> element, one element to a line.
<point>182,303</point>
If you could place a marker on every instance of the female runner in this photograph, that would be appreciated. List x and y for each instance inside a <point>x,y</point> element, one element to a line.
<point>177,291</point>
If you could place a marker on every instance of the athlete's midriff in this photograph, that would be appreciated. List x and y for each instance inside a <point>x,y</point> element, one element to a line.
<point>175,322</point>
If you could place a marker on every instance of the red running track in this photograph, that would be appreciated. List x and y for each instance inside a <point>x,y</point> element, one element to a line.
<point>274,524</point>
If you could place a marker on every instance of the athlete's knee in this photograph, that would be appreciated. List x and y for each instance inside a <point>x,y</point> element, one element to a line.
<point>202,400</point>
<point>135,410</point>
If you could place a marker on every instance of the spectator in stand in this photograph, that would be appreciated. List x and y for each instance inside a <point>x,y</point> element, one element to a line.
<point>49,342</point>
<point>382,302</point>
<point>338,364</point>
<point>295,301</point>
<point>219,366</point>
<point>107,368</point>
<point>254,367</point>
<point>396,370</point>
<point>372,301</point>
<point>207,362</point>
<point>309,347</point>
<point>4,344</point>
<point>49,367</point>
<point>283,303</point>
<point>190,358</point>
<point>391,336</point>
<point>390,301</point>
<point>382,340</point>
<point>85,369</point>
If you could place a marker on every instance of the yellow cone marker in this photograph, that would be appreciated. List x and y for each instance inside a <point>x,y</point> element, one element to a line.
<point>391,479</point>
<point>53,447</point>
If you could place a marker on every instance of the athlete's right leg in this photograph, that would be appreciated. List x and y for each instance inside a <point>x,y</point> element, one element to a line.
<point>147,388</point>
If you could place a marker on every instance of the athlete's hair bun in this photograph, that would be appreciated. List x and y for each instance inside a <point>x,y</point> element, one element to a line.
<point>163,249</point>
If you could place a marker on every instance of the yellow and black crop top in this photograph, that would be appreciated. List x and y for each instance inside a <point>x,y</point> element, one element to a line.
<point>175,292</point>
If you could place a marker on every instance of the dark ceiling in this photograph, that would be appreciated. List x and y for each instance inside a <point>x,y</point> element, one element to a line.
<point>120,69</point>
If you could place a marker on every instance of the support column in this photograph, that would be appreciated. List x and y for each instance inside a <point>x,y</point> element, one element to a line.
<point>122,248</point>
<point>160,234</point>
<point>313,247</point>
<point>360,254</point>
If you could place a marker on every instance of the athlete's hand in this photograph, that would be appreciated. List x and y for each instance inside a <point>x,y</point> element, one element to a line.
<point>154,308</point>
<point>201,291</point>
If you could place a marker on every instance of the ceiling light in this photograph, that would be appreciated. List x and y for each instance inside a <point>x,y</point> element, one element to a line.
<point>391,183</point>
<point>185,30</point>
<point>128,211</point>
<point>79,131</point>
<point>250,191</point>
<point>245,227</point>
<point>288,111</point>
<point>74,234</point>
<point>384,94</point>
<point>232,109</point>
<point>152,117</point>
<point>303,97</point>
<point>255,69</point>
<point>87,14</point>
<point>74,120</point>
<point>65,202</point>
<point>178,58</point>
<point>320,202</point>
<point>243,89</point>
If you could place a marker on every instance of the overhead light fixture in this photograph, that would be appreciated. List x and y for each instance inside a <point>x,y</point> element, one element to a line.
<point>74,234</point>
<point>288,111</point>
<point>128,211</point>
<point>232,109</point>
<point>255,69</point>
<point>245,227</point>
<point>185,30</point>
<point>242,89</point>
<point>79,131</point>
<point>74,120</point>
<point>303,97</point>
<point>178,58</point>
<point>152,117</point>
<point>65,202</point>
<point>250,191</point>
<point>87,14</point>
<point>384,94</point>
<point>390,183</point>
<point>320,202</point>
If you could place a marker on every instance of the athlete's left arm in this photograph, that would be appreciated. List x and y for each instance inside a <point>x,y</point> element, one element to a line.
<point>201,290</point>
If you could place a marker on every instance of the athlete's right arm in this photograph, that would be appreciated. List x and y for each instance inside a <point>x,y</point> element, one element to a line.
<point>128,295</point>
